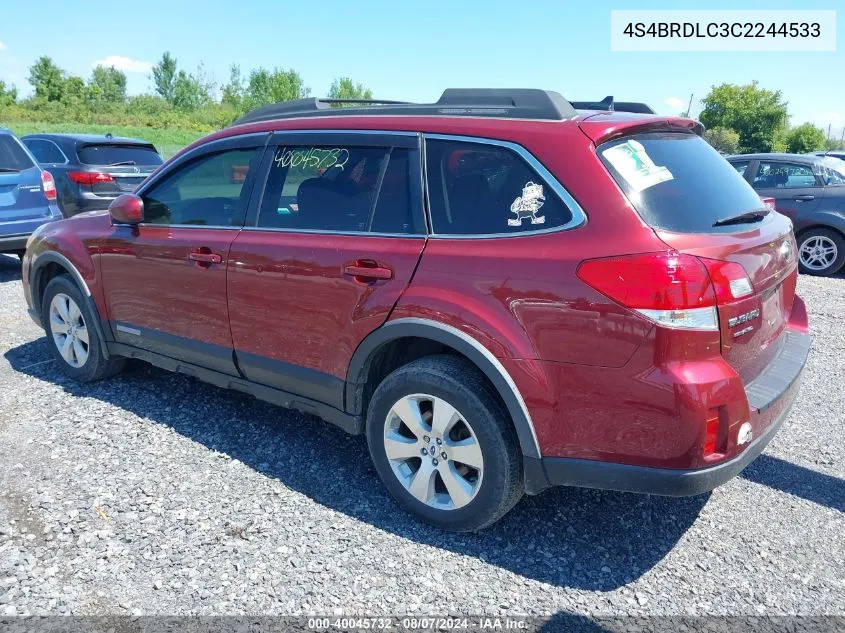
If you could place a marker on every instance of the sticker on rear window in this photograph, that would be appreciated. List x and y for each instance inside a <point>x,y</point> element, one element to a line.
<point>528,204</point>
<point>635,165</point>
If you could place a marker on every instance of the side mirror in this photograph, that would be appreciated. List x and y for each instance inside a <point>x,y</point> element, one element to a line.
<point>127,209</point>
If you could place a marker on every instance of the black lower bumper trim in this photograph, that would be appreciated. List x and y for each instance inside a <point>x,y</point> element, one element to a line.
<point>563,471</point>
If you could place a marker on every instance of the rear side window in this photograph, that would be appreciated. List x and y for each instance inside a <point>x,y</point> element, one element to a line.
<point>482,189</point>
<point>678,182</point>
<point>784,176</point>
<point>45,151</point>
<point>741,168</point>
<point>112,155</point>
<point>12,156</point>
<point>340,189</point>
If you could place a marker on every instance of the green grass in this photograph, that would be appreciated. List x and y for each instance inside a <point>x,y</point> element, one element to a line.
<point>167,141</point>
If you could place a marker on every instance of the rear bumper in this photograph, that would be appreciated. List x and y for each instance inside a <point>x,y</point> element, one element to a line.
<point>9,243</point>
<point>770,397</point>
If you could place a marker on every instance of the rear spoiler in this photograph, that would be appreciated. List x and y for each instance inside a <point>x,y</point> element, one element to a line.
<point>609,105</point>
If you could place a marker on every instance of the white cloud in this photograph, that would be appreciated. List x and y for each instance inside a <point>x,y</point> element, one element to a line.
<point>124,63</point>
<point>674,103</point>
<point>2,46</point>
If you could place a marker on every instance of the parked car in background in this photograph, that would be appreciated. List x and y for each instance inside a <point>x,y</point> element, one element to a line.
<point>810,189</point>
<point>27,195</point>
<point>91,171</point>
<point>840,154</point>
<point>500,290</point>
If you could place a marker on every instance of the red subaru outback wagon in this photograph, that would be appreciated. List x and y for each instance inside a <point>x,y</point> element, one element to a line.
<point>503,291</point>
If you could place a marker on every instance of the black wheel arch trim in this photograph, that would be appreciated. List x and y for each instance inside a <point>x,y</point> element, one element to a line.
<point>461,342</point>
<point>53,257</point>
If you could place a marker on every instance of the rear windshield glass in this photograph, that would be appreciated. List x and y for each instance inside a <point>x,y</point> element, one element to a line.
<point>677,182</point>
<point>118,155</point>
<point>12,156</point>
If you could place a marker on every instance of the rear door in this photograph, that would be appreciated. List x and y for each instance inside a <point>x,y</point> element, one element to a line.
<point>165,279</point>
<point>794,186</point>
<point>21,190</point>
<point>687,192</point>
<point>325,256</point>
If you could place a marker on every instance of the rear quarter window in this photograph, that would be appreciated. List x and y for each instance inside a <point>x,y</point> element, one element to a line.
<point>12,156</point>
<point>678,182</point>
<point>112,154</point>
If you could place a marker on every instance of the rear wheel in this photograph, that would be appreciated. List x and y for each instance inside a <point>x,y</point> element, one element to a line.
<point>443,444</point>
<point>821,252</point>
<point>69,324</point>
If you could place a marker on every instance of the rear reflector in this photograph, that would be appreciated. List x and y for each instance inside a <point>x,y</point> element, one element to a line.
<point>89,177</point>
<point>48,185</point>
<point>711,432</point>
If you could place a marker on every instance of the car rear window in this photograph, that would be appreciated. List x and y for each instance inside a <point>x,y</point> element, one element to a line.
<point>678,182</point>
<point>111,154</point>
<point>12,155</point>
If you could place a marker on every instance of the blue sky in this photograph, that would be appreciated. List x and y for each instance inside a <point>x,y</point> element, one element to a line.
<point>412,50</point>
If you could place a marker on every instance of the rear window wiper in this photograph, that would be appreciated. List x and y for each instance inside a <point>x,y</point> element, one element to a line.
<point>5,169</point>
<point>121,163</point>
<point>748,217</point>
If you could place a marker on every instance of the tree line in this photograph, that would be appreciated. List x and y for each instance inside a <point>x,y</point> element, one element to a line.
<point>179,97</point>
<point>748,119</point>
<point>738,118</point>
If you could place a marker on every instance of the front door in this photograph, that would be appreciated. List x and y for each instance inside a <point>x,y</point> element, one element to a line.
<point>794,186</point>
<point>331,248</point>
<point>165,279</point>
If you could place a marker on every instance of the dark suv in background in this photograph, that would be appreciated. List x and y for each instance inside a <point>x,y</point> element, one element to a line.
<point>91,171</point>
<point>810,190</point>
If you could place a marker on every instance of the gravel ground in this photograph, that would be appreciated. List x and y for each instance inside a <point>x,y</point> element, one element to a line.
<point>153,493</point>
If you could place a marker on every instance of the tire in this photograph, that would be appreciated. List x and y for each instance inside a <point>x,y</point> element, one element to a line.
<point>821,252</point>
<point>478,495</point>
<point>83,361</point>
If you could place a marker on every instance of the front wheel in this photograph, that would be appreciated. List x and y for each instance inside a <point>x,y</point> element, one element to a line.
<point>69,324</point>
<point>821,252</point>
<point>443,444</point>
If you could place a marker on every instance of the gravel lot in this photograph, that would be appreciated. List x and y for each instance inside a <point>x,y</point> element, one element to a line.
<point>153,493</point>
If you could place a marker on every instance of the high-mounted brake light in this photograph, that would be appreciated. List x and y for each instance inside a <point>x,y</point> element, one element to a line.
<point>669,288</point>
<point>48,185</point>
<point>89,177</point>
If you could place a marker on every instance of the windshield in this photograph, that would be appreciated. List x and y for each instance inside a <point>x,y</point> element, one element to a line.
<point>832,170</point>
<point>111,154</point>
<point>678,182</point>
<point>13,157</point>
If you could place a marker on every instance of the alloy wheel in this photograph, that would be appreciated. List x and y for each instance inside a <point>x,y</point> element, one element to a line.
<point>70,334</point>
<point>433,451</point>
<point>818,252</point>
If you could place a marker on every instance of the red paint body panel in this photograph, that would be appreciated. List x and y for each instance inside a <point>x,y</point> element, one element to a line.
<point>290,301</point>
<point>153,284</point>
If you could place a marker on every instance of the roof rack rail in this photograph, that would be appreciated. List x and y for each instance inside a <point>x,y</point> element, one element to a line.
<point>522,103</point>
<point>609,105</point>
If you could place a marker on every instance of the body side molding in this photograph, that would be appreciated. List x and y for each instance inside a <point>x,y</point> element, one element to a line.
<point>462,342</point>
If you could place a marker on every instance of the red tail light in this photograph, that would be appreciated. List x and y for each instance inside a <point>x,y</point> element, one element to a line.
<point>89,177</point>
<point>48,185</point>
<point>729,280</point>
<point>672,289</point>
